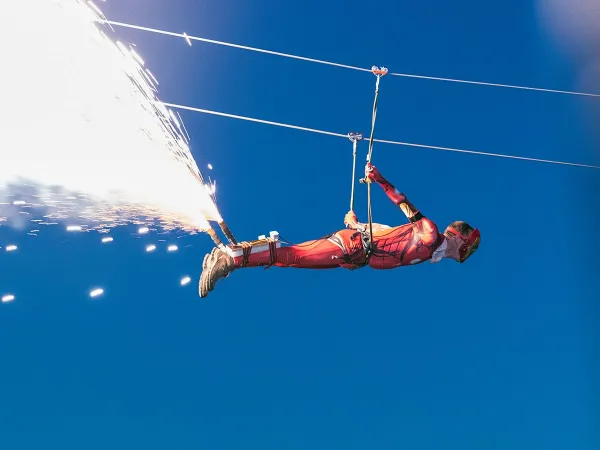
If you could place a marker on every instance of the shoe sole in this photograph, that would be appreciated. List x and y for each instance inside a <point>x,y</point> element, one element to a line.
<point>202,282</point>
<point>205,262</point>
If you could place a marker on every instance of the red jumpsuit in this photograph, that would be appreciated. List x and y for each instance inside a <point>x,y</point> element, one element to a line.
<point>403,245</point>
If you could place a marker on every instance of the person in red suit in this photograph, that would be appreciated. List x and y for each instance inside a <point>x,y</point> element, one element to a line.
<point>353,247</point>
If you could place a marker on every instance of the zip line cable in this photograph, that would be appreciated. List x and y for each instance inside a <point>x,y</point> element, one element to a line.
<point>381,141</point>
<point>189,38</point>
<point>228,44</point>
<point>250,119</point>
<point>313,130</point>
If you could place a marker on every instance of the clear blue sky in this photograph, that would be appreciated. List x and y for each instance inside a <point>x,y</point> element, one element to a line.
<point>498,353</point>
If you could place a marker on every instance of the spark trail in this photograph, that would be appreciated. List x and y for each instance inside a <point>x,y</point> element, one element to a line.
<point>83,136</point>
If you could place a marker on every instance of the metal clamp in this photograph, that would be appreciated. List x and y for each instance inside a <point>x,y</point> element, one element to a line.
<point>379,71</point>
<point>355,137</point>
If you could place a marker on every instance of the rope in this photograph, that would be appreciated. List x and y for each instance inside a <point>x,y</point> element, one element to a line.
<point>189,38</point>
<point>378,73</point>
<point>373,118</point>
<point>354,138</point>
<point>246,250</point>
<point>354,142</point>
<point>382,141</point>
<point>370,216</point>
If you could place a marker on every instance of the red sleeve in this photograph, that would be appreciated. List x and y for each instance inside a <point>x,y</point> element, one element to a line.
<point>398,198</point>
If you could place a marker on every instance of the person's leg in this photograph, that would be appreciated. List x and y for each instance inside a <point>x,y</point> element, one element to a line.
<point>317,254</point>
<point>342,249</point>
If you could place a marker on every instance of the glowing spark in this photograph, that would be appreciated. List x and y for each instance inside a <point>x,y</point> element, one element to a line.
<point>172,248</point>
<point>96,9</point>
<point>8,298</point>
<point>153,77</point>
<point>143,230</point>
<point>185,280</point>
<point>211,188</point>
<point>11,248</point>
<point>187,136</point>
<point>174,119</point>
<point>98,147</point>
<point>74,228</point>
<point>150,248</point>
<point>96,292</point>
<point>137,57</point>
<point>107,239</point>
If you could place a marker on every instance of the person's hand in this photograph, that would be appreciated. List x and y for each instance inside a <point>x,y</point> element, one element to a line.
<point>350,219</point>
<point>372,174</point>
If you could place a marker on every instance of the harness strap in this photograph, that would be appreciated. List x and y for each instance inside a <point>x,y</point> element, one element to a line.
<point>246,249</point>
<point>367,246</point>
<point>348,257</point>
<point>272,252</point>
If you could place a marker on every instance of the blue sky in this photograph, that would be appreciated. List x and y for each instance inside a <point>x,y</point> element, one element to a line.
<point>497,353</point>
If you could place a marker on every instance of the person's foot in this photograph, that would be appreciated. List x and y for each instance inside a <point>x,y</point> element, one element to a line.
<point>216,265</point>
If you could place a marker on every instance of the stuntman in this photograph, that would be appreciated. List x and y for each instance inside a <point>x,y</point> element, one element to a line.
<point>352,248</point>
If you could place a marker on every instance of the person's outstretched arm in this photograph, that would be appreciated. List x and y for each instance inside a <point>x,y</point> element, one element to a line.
<point>398,198</point>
